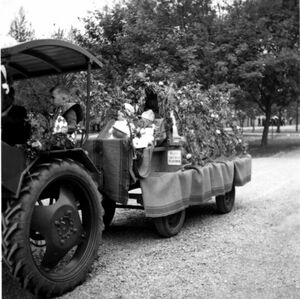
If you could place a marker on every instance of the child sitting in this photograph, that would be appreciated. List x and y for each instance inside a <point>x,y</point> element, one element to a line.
<point>66,115</point>
<point>145,131</point>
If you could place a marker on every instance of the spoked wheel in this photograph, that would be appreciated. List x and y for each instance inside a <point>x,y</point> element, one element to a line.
<point>225,202</point>
<point>52,232</point>
<point>171,225</point>
<point>109,207</point>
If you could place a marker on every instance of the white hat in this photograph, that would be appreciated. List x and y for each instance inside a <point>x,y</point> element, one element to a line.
<point>149,115</point>
<point>122,127</point>
<point>129,108</point>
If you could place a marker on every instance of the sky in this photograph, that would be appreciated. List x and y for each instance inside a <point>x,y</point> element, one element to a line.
<point>46,16</point>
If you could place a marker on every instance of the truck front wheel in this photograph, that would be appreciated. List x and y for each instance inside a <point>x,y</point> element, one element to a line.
<point>51,234</point>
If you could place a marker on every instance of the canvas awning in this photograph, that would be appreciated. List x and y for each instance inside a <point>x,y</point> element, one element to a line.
<point>46,57</point>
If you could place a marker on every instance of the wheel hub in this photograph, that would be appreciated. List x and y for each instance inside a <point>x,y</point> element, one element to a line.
<point>66,226</point>
<point>60,225</point>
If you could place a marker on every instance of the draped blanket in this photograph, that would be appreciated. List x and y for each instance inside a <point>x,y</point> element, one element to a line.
<point>168,193</point>
<point>242,170</point>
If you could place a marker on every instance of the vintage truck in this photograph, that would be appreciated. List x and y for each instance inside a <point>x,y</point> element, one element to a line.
<point>54,207</point>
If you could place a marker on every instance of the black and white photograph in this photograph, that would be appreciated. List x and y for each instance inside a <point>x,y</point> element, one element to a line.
<point>150,149</point>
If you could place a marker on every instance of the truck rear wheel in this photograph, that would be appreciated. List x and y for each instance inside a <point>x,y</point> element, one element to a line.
<point>170,225</point>
<point>225,202</point>
<point>51,234</point>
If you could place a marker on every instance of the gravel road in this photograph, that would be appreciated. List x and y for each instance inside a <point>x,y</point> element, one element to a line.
<point>252,252</point>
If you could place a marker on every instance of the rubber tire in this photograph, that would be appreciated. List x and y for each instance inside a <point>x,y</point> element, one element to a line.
<point>109,207</point>
<point>225,202</point>
<point>16,227</point>
<point>167,229</point>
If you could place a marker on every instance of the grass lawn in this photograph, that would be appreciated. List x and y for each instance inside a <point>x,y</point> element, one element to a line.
<point>283,129</point>
<point>275,145</point>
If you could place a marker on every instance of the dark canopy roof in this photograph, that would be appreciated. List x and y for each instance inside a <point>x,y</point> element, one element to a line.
<point>46,57</point>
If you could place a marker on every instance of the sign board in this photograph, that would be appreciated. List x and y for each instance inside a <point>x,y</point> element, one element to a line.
<point>174,157</point>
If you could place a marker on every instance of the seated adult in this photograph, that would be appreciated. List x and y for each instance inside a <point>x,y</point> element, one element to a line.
<point>66,116</point>
<point>151,101</point>
<point>15,129</point>
<point>14,125</point>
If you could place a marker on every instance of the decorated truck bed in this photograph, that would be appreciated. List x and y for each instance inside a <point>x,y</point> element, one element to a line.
<point>161,183</point>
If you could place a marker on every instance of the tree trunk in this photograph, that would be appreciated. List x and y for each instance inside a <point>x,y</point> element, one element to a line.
<point>279,119</point>
<point>264,140</point>
<point>297,112</point>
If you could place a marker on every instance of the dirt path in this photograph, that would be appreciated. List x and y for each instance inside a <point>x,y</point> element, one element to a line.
<point>253,252</point>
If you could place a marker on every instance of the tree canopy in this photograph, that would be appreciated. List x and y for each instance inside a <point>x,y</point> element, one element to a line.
<point>252,45</point>
<point>248,49</point>
<point>260,41</point>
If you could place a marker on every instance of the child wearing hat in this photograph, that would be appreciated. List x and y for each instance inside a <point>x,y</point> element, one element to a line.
<point>145,134</point>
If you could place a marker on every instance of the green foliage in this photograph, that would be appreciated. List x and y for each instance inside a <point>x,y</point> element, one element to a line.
<point>204,118</point>
<point>207,122</point>
<point>167,35</point>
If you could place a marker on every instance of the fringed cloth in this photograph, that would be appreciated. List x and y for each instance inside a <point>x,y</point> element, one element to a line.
<point>167,193</point>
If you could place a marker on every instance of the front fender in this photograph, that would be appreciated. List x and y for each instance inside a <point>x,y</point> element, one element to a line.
<point>77,155</point>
